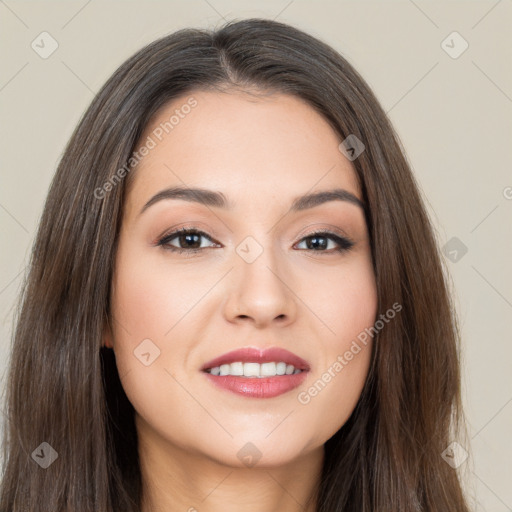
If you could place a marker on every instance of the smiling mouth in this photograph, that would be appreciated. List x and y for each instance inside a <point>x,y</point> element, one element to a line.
<point>254,370</point>
<point>255,380</point>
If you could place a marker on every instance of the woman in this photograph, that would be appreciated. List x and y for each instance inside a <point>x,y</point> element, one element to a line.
<point>235,299</point>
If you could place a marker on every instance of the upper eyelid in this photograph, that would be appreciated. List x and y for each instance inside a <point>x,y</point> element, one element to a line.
<point>177,232</point>
<point>319,231</point>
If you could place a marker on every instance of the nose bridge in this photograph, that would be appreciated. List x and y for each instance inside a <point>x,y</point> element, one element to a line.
<point>260,284</point>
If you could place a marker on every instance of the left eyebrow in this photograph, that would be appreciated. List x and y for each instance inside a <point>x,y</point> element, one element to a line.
<point>219,200</point>
<point>317,198</point>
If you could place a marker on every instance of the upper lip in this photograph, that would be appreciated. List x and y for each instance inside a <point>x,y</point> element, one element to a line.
<point>256,355</point>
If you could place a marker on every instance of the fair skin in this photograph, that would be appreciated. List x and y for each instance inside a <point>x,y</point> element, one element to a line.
<point>261,153</point>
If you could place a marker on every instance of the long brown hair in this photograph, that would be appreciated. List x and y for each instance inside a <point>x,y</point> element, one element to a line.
<point>63,387</point>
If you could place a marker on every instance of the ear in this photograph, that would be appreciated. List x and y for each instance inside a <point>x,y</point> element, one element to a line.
<point>107,336</point>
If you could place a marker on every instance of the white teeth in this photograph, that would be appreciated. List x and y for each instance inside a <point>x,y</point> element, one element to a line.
<point>224,369</point>
<point>251,369</point>
<point>254,369</point>
<point>268,369</point>
<point>236,368</point>
<point>281,368</point>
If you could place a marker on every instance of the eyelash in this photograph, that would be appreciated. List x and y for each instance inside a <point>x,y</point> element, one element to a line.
<point>344,244</point>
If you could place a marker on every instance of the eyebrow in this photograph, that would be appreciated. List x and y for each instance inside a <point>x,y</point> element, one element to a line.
<point>219,200</point>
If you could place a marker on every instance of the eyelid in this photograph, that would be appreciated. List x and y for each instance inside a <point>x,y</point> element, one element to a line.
<point>306,232</point>
<point>174,233</point>
<point>344,242</point>
<point>310,230</point>
<point>176,230</point>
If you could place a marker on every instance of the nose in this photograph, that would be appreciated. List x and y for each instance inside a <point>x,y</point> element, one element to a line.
<point>261,292</point>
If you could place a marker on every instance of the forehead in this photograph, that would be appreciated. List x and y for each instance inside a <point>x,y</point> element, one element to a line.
<point>251,148</point>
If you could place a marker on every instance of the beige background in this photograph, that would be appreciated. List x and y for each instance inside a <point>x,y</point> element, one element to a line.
<point>454,117</point>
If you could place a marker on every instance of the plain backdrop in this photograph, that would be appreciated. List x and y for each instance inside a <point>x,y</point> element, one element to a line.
<point>448,95</point>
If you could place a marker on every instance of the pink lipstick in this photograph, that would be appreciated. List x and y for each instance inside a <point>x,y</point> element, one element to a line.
<point>257,373</point>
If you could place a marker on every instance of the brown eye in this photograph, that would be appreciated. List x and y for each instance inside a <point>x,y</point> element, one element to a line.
<point>319,242</point>
<point>188,239</point>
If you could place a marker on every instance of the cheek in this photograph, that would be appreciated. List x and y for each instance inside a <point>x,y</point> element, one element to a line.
<point>151,296</point>
<point>354,307</point>
<point>146,304</point>
<point>154,306</point>
<point>142,308</point>
<point>347,308</point>
<point>344,301</point>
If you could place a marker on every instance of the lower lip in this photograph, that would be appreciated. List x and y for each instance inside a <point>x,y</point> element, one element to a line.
<point>256,387</point>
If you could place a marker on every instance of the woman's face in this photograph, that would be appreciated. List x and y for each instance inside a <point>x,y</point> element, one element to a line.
<point>260,279</point>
